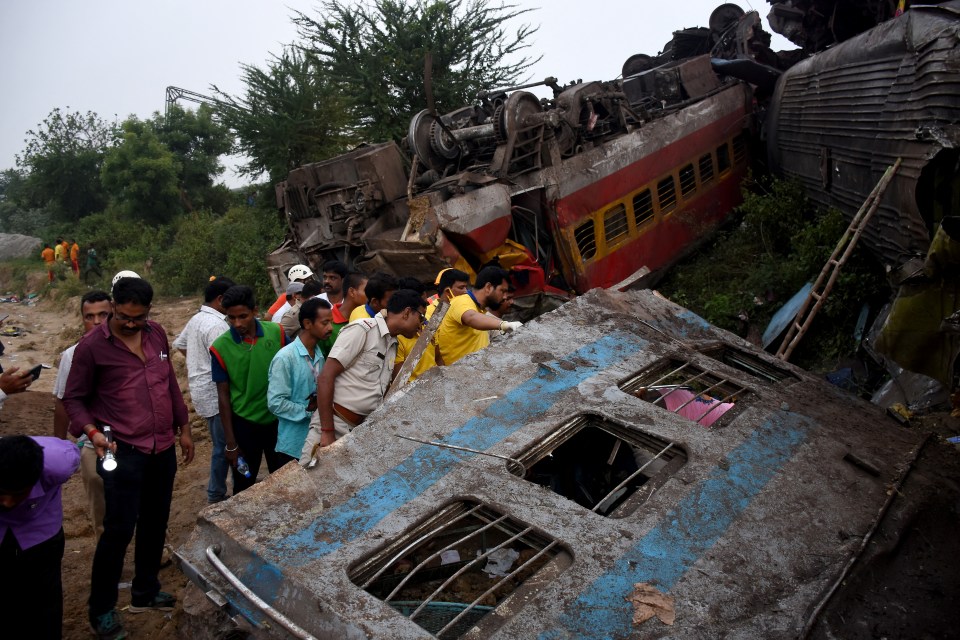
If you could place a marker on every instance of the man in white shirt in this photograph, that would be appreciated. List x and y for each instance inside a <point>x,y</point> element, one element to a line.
<point>94,309</point>
<point>194,342</point>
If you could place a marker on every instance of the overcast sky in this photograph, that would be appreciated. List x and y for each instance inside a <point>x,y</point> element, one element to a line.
<point>116,57</point>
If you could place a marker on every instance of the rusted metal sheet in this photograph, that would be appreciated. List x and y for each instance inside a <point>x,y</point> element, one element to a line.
<point>840,118</point>
<point>743,525</point>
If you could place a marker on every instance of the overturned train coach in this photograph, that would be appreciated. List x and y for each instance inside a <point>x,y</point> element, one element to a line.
<point>614,454</point>
<point>588,187</point>
<point>570,193</point>
<point>838,119</point>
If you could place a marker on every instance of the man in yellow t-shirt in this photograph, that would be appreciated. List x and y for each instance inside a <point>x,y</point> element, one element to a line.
<point>450,284</point>
<point>464,328</point>
<point>59,253</point>
<point>379,288</point>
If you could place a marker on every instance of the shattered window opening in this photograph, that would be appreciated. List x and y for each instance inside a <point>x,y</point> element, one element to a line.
<point>688,180</point>
<point>447,573</point>
<point>586,239</point>
<point>615,226</point>
<point>706,168</point>
<point>642,207</point>
<point>749,363</point>
<point>723,158</point>
<point>688,390</point>
<point>608,468</point>
<point>667,193</point>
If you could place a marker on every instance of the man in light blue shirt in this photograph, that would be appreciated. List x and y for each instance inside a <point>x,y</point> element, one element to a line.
<point>292,378</point>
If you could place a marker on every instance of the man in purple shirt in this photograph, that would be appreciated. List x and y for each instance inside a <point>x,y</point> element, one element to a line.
<point>32,470</point>
<point>122,377</point>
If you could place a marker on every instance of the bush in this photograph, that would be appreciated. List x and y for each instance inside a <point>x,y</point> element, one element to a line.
<point>781,243</point>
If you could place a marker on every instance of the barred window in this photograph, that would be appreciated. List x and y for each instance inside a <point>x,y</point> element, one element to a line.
<point>688,180</point>
<point>615,224</point>
<point>586,239</point>
<point>706,168</point>
<point>667,194</point>
<point>642,207</point>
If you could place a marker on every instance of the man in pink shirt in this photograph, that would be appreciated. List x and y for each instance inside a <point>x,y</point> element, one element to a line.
<point>122,377</point>
<point>32,471</point>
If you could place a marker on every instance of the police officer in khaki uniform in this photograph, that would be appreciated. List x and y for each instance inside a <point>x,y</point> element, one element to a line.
<point>358,370</point>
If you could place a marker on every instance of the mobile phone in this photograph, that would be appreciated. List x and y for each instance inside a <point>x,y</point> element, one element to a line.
<point>35,372</point>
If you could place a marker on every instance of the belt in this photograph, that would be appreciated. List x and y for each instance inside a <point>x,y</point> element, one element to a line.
<point>352,419</point>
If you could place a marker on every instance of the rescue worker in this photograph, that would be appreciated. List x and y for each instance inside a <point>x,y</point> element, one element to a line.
<point>358,371</point>
<point>297,273</point>
<point>464,328</point>
<point>379,288</point>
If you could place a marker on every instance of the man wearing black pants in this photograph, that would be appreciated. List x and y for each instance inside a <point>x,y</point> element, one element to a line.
<point>239,360</point>
<point>122,377</point>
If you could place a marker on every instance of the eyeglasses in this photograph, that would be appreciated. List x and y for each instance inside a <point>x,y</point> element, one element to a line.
<point>125,319</point>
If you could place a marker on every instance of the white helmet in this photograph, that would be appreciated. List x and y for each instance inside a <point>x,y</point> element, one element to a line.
<point>124,274</point>
<point>299,272</point>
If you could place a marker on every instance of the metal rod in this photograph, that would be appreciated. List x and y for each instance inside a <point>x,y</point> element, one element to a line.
<point>631,477</point>
<point>685,383</point>
<point>721,402</point>
<point>674,372</point>
<point>436,554</point>
<point>705,391</point>
<point>416,542</point>
<point>523,469</point>
<point>495,587</point>
<point>466,568</point>
<point>296,631</point>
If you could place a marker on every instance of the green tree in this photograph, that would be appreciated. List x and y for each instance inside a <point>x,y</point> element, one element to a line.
<point>142,175</point>
<point>290,114</point>
<point>62,161</point>
<point>197,140</point>
<point>376,55</point>
<point>16,216</point>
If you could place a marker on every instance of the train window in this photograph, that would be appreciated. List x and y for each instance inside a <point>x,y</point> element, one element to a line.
<point>706,168</point>
<point>689,390</point>
<point>749,363</point>
<point>615,224</point>
<point>586,239</point>
<point>642,207</point>
<point>667,194</point>
<point>723,158</point>
<point>739,148</point>
<point>688,180</point>
<point>438,573</point>
<point>603,466</point>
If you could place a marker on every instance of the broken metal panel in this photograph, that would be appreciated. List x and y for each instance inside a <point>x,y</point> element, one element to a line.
<point>743,535</point>
<point>840,118</point>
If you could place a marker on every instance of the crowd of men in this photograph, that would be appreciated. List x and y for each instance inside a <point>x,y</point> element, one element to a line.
<point>276,388</point>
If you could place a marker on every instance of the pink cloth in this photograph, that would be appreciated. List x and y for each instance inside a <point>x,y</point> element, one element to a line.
<point>676,398</point>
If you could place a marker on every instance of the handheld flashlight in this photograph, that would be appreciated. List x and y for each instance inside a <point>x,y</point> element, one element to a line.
<point>109,460</point>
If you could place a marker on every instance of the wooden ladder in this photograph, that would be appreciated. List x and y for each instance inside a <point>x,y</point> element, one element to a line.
<point>828,275</point>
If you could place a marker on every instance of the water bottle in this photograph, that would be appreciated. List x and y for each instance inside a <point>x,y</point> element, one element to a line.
<point>243,467</point>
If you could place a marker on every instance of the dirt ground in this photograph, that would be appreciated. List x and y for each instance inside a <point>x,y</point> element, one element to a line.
<point>904,586</point>
<point>49,328</point>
